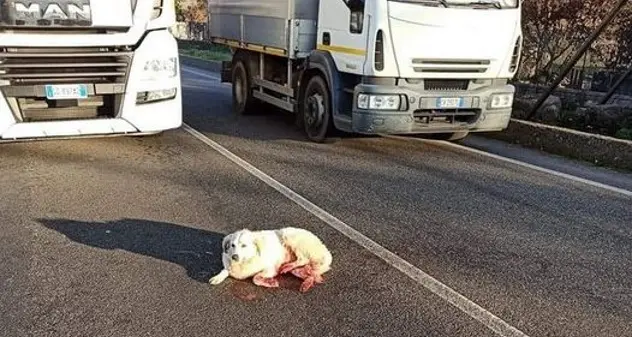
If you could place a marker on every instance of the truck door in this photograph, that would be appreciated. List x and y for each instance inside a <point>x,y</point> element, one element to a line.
<point>342,31</point>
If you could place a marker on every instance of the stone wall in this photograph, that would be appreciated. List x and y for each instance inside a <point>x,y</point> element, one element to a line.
<point>588,147</point>
<point>572,98</point>
<point>577,110</point>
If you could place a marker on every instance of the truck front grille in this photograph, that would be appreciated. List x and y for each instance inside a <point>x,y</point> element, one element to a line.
<point>51,66</point>
<point>39,109</point>
<point>446,116</point>
<point>25,72</point>
<point>445,85</point>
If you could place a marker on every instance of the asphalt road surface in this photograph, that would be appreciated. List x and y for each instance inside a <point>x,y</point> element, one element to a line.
<point>118,236</point>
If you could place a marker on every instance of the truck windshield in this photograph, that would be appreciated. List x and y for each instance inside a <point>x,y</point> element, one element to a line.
<point>480,4</point>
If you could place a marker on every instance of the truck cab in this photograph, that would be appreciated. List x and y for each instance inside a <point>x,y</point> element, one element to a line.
<point>425,66</point>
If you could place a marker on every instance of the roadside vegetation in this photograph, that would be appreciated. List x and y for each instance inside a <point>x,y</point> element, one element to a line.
<point>204,50</point>
<point>553,31</point>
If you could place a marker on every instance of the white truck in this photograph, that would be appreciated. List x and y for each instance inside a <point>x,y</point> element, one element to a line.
<point>373,66</point>
<point>71,68</point>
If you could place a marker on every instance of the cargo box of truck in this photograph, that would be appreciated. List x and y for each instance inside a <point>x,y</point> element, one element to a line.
<point>284,27</point>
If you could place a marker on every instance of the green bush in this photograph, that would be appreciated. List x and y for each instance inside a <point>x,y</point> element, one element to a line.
<point>572,119</point>
<point>624,134</point>
<point>204,50</point>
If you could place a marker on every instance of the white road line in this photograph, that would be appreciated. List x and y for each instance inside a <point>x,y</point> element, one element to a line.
<point>472,309</point>
<point>523,164</point>
<point>197,73</point>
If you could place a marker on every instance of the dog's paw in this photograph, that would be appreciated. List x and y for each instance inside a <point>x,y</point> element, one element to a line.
<point>307,284</point>
<point>266,282</point>
<point>219,278</point>
<point>318,279</point>
<point>215,280</point>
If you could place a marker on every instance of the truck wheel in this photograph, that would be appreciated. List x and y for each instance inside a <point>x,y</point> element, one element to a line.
<point>316,110</point>
<point>242,91</point>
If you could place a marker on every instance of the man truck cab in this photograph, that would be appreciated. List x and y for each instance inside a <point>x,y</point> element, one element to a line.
<point>73,68</point>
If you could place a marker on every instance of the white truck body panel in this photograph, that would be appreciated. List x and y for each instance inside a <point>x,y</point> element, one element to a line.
<point>111,13</point>
<point>67,128</point>
<point>461,42</point>
<point>140,24</point>
<point>349,50</point>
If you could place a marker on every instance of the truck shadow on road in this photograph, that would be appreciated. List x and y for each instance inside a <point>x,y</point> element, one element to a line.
<point>196,250</point>
<point>268,123</point>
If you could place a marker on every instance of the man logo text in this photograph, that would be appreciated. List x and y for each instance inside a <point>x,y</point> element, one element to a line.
<point>52,11</point>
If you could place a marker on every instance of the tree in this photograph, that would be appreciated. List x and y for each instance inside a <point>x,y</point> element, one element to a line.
<point>553,30</point>
<point>191,10</point>
<point>196,12</point>
<point>617,53</point>
<point>179,10</point>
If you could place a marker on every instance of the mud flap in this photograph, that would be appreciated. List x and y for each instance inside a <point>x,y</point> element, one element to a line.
<point>226,71</point>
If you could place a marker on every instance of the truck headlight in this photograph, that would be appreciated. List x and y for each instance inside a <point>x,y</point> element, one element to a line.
<point>501,101</point>
<point>379,102</point>
<point>155,96</point>
<point>156,69</point>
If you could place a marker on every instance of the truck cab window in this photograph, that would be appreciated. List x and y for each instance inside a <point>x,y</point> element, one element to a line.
<point>356,17</point>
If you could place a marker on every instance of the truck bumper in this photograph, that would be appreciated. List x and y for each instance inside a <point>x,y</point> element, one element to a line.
<point>420,111</point>
<point>133,114</point>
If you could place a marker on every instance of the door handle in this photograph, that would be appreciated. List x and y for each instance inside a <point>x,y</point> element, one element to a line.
<point>326,38</point>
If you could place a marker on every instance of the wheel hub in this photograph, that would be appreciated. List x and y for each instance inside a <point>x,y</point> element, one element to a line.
<point>315,110</point>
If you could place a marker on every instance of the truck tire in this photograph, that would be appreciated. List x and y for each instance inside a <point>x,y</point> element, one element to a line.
<point>316,110</point>
<point>243,101</point>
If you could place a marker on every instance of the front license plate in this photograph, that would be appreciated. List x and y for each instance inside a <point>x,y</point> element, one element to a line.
<point>67,91</point>
<point>449,102</point>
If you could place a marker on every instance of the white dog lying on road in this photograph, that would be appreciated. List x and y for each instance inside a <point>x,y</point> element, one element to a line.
<point>265,254</point>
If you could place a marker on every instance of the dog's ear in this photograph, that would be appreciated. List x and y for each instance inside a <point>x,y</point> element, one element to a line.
<point>226,243</point>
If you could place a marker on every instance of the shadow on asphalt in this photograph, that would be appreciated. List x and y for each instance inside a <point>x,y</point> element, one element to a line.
<point>196,250</point>
<point>266,124</point>
<point>207,106</point>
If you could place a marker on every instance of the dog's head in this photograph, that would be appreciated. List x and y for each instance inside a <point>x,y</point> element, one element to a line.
<point>241,246</point>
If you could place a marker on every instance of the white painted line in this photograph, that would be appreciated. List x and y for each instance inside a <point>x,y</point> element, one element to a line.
<point>472,309</point>
<point>201,87</point>
<point>523,164</point>
<point>201,74</point>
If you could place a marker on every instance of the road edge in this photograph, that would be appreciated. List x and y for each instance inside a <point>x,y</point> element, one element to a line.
<point>191,61</point>
<point>596,149</point>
